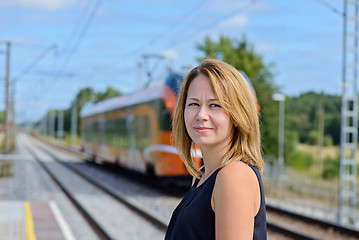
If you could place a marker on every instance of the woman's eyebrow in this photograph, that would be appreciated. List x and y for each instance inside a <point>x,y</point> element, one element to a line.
<point>196,99</point>
<point>193,98</point>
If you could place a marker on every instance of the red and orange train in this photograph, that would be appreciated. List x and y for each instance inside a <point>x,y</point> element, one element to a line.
<point>134,131</point>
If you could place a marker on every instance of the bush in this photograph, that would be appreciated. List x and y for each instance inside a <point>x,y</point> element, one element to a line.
<point>328,140</point>
<point>312,137</point>
<point>330,168</point>
<point>300,160</point>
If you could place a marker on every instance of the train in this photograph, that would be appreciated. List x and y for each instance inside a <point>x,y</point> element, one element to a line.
<point>134,131</point>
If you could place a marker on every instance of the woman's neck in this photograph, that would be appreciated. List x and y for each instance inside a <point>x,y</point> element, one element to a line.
<point>212,158</point>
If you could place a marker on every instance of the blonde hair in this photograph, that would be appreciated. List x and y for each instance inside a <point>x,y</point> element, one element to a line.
<point>235,95</point>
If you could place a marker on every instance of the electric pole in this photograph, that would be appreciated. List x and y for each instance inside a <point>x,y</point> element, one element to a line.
<point>52,124</point>
<point>281,99</point>
<point>320,137</point>
<point>148,70</point>
<point>60,125</point>
<point>74,123</point>
<point>7,103</point>
<point>349,115</point>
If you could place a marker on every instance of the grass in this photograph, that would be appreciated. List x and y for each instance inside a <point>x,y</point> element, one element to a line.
<point>5,168</point>
<point>67,140</point>
<point>332,152</point>
<point>328,151</point>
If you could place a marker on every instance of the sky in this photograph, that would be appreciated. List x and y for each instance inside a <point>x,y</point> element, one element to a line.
<point>61,46</point>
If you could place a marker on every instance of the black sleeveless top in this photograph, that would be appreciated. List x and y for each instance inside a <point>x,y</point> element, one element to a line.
<point>194,219</point>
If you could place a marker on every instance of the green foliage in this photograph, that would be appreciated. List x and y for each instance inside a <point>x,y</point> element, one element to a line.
<point>88,94</point>
<point>290,145</point>
<point>299,160</point>
<point>109,93</point>
<point>241,55</point>
<point>328,140</point>
<point>303,114</point>
<point>6,168</point>
<point>330,168</point>
<point>83,96</point>
<point>332,127</point>
<point>312,138</point>
<point>2,116</point>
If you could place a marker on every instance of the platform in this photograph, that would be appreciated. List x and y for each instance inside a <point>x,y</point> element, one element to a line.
<point>32,221</point>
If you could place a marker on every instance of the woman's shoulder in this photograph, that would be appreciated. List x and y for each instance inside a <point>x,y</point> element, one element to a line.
<point>237,185</point>
<point>237,172</point>
<point>238,178</point>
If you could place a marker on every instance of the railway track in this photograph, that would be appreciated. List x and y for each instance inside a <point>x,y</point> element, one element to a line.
<point>298,226</point>
<point>97,226</point>
<point>281,224</point>
<point>116,195</point>
<point>164,185</point>
<point>92,222</point>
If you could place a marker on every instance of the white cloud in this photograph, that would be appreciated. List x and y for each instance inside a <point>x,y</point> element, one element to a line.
<point>37,4</point>
<point>266,47</point>
<point>265,7</point>
<point>171,54</point>
<point>237,21</point>
<point>226,6</point>
<point>18,40</point>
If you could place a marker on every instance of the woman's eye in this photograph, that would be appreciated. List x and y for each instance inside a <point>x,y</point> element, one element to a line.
<point>213,105</point>
<point>193,104</point>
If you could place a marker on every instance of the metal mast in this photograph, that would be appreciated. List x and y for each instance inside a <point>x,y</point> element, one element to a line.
<point>7,100</point>
<point>349,115</point>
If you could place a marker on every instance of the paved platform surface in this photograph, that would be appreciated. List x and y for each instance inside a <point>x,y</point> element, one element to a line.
<point>32,221</point>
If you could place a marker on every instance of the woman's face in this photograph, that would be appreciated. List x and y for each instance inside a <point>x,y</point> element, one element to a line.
<point>207,123</point>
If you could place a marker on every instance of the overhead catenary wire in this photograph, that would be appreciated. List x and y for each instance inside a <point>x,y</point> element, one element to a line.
<point>185,38</point>
<point>80,36</point>
<point>28,68</point>
<point>78,25</point>
<point>53,47</point>
<point>169,28</point>
<point>73,49</point>
<point>330,7</point>
<point>165,32</point>
<point>213,23</point>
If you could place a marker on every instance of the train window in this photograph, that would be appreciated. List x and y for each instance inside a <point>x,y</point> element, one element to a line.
<point>109,132</point>
<point>118,133</point>
<point>90,130</point>
<point>122,133</point>
<point>142,131</point>
<point>113,132</point>
<point>96,135</point>
<point>165,118</point>
<point>162,114</point>
<point>87,131</point>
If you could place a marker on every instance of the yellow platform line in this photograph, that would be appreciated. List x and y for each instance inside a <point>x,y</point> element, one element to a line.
<point>30,231</point>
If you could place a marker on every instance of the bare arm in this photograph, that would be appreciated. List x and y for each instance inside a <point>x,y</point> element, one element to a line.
<point>236,201</point>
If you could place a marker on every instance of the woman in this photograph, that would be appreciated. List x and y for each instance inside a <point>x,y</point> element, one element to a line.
<point>216,111</point>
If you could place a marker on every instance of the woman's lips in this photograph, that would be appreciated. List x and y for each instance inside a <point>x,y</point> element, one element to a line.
<point>202,129</point>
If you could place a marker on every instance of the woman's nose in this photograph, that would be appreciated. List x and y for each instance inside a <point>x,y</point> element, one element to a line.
<point>202,114</point>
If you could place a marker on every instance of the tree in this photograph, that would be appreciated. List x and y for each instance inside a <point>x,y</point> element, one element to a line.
<point>86,95</point>
<point>2,116</point>
<point>303,114</point>
<point>83,96</point>
<point>109,93</point>
<point>242,56</point>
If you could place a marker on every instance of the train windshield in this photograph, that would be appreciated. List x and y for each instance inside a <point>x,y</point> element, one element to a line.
<point>174,81</point>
